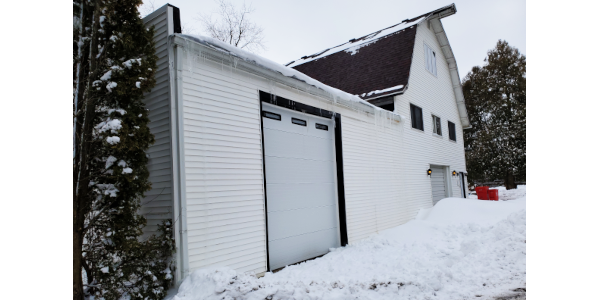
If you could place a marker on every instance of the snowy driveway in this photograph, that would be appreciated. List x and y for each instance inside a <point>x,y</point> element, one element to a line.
<point>460,249</point>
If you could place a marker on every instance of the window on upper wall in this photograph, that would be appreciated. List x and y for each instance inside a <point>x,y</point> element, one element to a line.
<point>416,117</point>
<point>437,125</point>
<point>430,64</point>
<point>452,131</point>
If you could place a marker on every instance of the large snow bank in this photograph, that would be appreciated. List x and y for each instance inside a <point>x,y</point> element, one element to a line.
<point>504,194</point>
<point>459,249</point>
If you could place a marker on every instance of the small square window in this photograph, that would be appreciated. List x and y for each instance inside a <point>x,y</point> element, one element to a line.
<point>452,131</point>
<point>437,125</point>
<point>416,117</point>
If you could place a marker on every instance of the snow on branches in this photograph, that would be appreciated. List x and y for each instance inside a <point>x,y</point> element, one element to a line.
<point>113,51</point>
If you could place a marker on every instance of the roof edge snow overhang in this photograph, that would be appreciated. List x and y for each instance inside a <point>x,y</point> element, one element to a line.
<point>393,93</point>
<point>219,55</point>
<point>438,29</point>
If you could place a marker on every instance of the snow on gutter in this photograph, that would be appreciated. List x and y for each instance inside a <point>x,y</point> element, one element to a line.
<point>382,91</point>
<point>336,96</point>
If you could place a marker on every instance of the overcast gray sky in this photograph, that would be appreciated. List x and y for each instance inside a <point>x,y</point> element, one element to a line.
<point>297,28</point>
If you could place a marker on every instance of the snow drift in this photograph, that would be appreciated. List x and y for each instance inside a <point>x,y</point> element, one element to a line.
<point>459,249</point>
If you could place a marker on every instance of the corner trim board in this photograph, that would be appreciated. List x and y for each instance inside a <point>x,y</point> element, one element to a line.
<point>176,19</point>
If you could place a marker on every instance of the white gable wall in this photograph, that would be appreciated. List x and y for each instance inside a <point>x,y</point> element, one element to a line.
<point>422,148</point>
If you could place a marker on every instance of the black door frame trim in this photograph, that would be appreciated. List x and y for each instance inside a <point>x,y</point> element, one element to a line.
<point>307,109</point>
<point>262,141</point>
<point>462,183</point>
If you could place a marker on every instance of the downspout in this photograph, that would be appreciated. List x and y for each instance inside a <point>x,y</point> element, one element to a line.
<point>174,161</point>
<point>181,184</point>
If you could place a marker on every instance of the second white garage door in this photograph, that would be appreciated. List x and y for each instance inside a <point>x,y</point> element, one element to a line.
<point>301,189</point>
<point>438,185</point>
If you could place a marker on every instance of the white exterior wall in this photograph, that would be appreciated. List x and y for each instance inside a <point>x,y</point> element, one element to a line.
<point>422,148</point>
<point>372,177</point>
<point>223,169</point>
<point>224,187</point>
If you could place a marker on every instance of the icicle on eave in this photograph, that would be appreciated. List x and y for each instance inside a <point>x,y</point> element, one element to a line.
<point>325,94</point>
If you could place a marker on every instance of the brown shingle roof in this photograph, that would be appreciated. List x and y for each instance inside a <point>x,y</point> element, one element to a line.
<point>372,66</point>
<point>380,65</point>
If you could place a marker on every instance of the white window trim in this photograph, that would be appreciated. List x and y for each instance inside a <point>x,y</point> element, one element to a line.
<point>426,51</point>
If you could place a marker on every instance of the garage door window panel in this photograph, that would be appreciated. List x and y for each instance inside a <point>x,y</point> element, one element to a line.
<point>321,126</point>
<point>298,122</point>
<point>272,116</point>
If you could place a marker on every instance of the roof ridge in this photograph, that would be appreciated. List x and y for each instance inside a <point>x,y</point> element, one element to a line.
<point>374,34</point>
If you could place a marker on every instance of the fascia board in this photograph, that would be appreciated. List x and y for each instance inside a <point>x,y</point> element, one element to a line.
<point>442,38</point>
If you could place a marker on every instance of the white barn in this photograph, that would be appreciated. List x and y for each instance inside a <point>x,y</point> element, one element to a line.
<point>260,166</point>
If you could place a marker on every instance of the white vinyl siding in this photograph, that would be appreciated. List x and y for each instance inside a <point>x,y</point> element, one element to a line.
<point>223,171</point>
<point>373,178</point>
<point>430,61</point>
<point>158,203</point>
<point>223,165</point>
<point>434,95</point>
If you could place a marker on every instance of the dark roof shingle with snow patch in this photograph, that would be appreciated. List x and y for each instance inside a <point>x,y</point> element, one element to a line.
<point>378,65</point>
<point>375,65</point>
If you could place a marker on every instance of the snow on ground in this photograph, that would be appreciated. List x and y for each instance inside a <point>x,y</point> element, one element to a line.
<point>459,249</point>
<point>504,194</point>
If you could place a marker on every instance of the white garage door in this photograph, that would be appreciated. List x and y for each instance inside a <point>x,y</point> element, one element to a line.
<point>301,194</point>
<point>438,186</point>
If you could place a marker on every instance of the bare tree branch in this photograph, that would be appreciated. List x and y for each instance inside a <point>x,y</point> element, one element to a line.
<point>147,8</point>
<point>233,26</point>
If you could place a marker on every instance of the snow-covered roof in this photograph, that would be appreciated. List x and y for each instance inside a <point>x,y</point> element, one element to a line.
<point>372,66</point>
<point>353,46</point>
<point>339,95</point>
